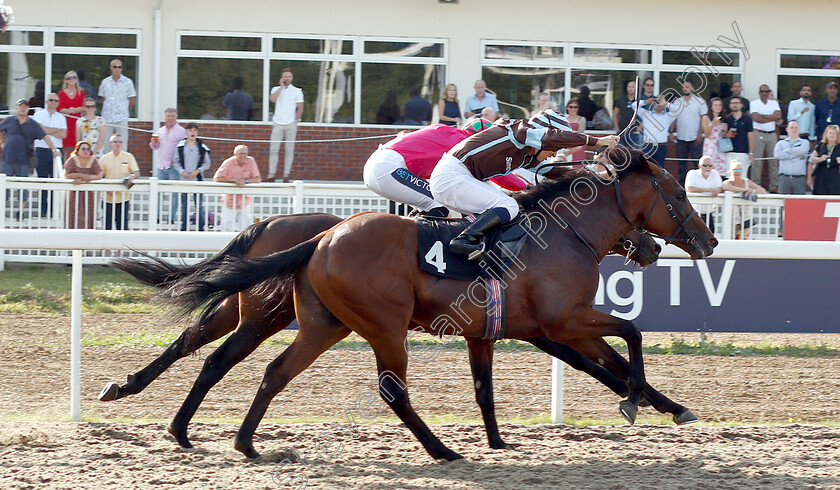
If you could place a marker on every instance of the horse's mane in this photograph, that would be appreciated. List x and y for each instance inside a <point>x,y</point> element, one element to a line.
<point>550,189</point>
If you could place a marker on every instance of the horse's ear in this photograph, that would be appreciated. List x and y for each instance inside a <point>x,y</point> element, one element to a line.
<point>649,165</point>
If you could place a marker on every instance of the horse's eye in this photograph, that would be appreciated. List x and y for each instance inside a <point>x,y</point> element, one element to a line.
<point>681,196</point>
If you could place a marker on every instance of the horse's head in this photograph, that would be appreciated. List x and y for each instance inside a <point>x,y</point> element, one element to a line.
<point>639,247</point>
<point>659,202</point>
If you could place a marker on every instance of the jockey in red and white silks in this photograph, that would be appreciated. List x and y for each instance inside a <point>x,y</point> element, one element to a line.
<point>399,169</point>
<point>457,181</point>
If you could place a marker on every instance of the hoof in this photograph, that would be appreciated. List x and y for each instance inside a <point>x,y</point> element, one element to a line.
<point>644,402</point>
<point>686,417</point>
<point>246,448</point>
<point>503,445</point>
<point>449,456</point>
<point>110,392</point>
<point>180,436</point>
<point>628,410</point>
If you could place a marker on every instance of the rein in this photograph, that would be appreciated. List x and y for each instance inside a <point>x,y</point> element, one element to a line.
<point>656,181</point>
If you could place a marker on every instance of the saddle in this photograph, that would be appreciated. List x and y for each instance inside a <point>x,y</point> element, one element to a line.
<point>502,245</point>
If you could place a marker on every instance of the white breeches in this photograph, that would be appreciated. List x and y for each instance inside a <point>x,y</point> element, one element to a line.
<point>386,174</point>
<point>453,185</point>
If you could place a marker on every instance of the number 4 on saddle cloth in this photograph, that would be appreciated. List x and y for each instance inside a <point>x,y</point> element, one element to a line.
<point>501,248</point>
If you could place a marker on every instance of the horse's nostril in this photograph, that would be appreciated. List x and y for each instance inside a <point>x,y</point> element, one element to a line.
<point>657,248</point>
<point>713,242</point>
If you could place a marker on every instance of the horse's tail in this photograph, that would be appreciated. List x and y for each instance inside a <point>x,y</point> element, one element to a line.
<point>206,290</point>
<point>156,272</point>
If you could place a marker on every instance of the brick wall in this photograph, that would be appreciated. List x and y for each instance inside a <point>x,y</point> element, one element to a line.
<point>341,160</point>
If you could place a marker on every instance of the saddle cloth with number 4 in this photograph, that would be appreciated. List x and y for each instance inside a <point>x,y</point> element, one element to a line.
<point>434,235</point>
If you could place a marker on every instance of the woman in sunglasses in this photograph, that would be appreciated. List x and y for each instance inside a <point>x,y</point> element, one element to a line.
<point>738,182</point>
<point>578,124</point>
<point>70,102</point>
<point>82,167</point>
<point>90,127</point>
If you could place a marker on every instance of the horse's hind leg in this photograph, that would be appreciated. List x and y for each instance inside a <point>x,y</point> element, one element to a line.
<point>222,322</point>
<point>254,328</point>
<point>319,330</point>
<point>581,362</point>
<point>481,364</point>
<point>618,366</point>
<point>589,323</point>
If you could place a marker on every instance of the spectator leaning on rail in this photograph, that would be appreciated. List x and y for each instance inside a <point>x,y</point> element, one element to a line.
<point>118,164</point>
<point>192,159</point>
<point>792,154</point>
<point>704,179</point>
<point>240,169</point>
<point>457,180</point>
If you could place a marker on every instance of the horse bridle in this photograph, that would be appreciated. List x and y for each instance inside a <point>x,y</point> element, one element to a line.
<point>681,223</point>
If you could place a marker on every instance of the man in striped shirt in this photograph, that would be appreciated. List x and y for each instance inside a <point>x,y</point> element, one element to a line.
<point>458,179</point>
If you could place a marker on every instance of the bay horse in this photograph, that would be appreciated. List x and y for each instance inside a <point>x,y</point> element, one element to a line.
<point>362,276</point>
<point>281,232</point>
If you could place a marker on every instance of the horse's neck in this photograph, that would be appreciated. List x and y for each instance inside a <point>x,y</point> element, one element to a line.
<point>603,221</point>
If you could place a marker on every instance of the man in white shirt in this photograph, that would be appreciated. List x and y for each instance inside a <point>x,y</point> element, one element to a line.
<point>288,109</point>
<point>117,94</point>
<point>688,111</point>
<point>706,180</point>
<point>765,113</point>
<point>55,125</point>
<point>802,110</point>
<point>655,124</point>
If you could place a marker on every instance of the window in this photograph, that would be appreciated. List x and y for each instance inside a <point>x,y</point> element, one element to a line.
<point>814,68</point>
<point>344,79</point>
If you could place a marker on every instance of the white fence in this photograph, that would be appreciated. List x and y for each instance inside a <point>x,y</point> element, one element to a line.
<point>157,205</point>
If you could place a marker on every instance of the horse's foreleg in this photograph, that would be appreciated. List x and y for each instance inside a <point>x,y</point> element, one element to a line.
<point>581,362</point>
<point>617,365</point>
<point>237,347</point>
<point>194,337</point>
<point>590,323</point>
<point>481,364</point>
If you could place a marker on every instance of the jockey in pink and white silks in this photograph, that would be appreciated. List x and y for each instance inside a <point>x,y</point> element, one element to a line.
<point>399,169</point>
<point>457,181</point>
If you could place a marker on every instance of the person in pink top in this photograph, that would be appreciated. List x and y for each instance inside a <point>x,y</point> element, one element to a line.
<point>399,170</point>
<point>165,141</point>
<point>240,169</point>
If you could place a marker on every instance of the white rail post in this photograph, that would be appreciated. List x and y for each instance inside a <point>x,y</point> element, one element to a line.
<point>153,203</point>
<point>726,234</point>
<point>557,368</point>
<point>297,204</point>
<point>76,337</point>
<point>2,217</point>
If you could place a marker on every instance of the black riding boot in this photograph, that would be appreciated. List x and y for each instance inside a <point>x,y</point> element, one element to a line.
<point>469,241</point>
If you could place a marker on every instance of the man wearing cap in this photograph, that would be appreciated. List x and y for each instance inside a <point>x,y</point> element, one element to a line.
<point>17,134</point>
<point>54,124</point>
<point>828,110</point>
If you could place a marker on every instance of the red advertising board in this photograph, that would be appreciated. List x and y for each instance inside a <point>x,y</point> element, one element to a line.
<point>812,219</point>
